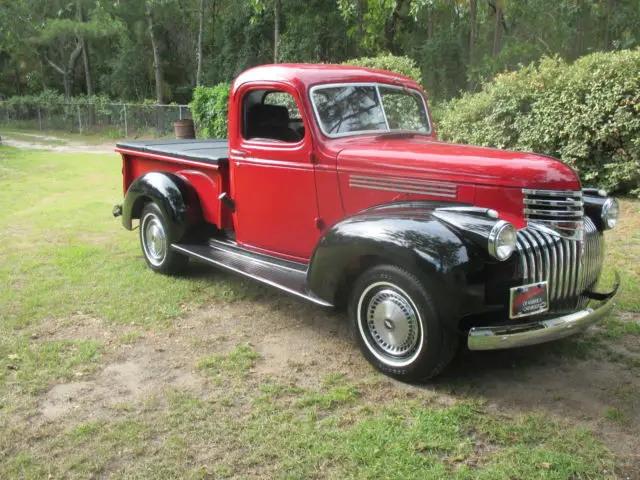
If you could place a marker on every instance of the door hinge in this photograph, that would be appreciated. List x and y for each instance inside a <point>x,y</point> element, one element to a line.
<point>228,201</point>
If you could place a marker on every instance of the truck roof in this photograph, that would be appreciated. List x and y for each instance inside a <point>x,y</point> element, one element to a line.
<point>309,74</point>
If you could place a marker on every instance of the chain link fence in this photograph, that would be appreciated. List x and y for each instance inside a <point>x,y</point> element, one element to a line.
<point>112,120</point>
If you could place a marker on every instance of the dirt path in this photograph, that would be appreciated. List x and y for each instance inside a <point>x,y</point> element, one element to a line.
<point>54,144</point>
<point>299,344</point>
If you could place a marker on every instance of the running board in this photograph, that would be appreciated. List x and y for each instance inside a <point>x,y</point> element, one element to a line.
<point>291,279</point>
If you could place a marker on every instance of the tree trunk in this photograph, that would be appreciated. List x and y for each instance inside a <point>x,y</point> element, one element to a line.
<point>361,9</point>
<point>611,6</point>
<point>390,27</point>
<point>67,72</point>
<point>85,61</point>
<point>16,73</point>
<point>43,79</point>
<point>497,37</point>
<point>157,69</point>
<point>87,67</point>
<point>200,35</point>
<point>431,24</point>
<point>580,28</point>
<point>473,15</point>
<point>276,31</point>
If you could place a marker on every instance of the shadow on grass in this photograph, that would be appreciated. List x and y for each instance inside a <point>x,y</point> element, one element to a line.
<point>574,378</point>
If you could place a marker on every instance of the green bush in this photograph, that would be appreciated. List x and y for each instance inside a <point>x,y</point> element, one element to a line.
<point>209,108</point>
<point>402,65</point>
<point>587,114</point>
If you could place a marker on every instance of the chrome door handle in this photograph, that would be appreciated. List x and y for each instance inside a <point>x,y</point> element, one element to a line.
<point>239,153</point>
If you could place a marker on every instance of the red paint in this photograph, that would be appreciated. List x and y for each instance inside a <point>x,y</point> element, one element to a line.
<point>287,194</point>
<point>208,180</point>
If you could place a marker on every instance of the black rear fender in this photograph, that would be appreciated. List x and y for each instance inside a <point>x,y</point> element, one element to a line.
<point>175,196</point>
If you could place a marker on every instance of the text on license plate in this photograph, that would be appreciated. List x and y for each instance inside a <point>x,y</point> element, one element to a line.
<point>529,300</point>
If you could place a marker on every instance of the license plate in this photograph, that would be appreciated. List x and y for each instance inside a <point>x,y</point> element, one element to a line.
<point>529,300</point>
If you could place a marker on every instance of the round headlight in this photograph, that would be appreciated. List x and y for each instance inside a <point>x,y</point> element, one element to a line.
<point>502,240</point>
<point>610,213</point>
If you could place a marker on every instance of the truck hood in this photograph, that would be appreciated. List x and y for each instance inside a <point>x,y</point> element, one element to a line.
<point>424,158</point>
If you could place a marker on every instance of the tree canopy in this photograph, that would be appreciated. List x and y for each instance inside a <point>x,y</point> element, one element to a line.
<point>139,49</point>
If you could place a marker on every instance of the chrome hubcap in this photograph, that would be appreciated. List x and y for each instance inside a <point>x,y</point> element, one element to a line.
<point>155,239</point>
<point>392,323</point>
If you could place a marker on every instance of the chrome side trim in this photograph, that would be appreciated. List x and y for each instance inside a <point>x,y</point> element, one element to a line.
<point>313,299</point>
<point>416,187</point>
<point>402,181</point>
<point>497,338</point>
<point>486,212</point>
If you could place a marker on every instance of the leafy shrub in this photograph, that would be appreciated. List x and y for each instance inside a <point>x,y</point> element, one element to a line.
<point>402,65</point>
<point>587,114</point>
<point>209,108</point>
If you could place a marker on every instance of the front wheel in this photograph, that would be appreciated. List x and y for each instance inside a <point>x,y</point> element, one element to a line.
<point>397,326</point>
<point>155,241</point>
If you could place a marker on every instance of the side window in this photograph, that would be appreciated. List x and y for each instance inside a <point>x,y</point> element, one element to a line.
<point>272,115</point>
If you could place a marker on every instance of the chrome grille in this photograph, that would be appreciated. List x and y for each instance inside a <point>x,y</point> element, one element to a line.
<point>570,266</point>
<point>560,211</point>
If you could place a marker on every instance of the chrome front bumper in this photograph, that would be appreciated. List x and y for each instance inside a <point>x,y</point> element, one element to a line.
<point>497,338</point>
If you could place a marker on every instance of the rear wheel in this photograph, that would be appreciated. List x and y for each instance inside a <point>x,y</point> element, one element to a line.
<point>397,326</point>
<point>156,241</point>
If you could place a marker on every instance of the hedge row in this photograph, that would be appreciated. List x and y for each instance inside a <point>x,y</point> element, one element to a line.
<point>586,113</point>
<point>51,98</point>
<point>210,108</point>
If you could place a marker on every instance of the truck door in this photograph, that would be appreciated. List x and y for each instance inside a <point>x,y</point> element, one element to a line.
<point>272,175</point>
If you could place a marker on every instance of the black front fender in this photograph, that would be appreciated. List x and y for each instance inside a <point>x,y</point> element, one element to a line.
<point>170,192</point>
<point>409,236</point>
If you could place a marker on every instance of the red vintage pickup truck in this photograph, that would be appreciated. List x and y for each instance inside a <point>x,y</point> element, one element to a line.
<point>333,187</point>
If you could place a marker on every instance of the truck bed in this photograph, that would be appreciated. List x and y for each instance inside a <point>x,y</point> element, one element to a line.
<point>205,151</point>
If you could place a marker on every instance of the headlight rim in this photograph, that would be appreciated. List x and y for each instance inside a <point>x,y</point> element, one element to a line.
<point>494,235</point>
<point>604,214</point>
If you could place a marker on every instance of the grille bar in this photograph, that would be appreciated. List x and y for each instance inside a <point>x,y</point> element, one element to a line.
<point>552,203</point>
<point>558,210</point>
<point>570,266</point>
<point>553,193</point>
<point>554,213</point>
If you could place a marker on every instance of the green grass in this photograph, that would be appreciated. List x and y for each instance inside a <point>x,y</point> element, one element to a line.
<point>615,415</point>
<point>194,437</point>
<point>61,251</point>
<point>237,363</point>
<point>31,365</point>
<point>623,252</point>
<point>64,259</point>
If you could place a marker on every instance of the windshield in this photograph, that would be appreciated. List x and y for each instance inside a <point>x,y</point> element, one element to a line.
<point>354,108</point>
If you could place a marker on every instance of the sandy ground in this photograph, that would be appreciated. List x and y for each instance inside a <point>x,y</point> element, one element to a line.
<point>300,344</point>
<point>40,143</point>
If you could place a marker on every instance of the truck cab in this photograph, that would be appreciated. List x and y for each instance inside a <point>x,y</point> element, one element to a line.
<point>334,187</point>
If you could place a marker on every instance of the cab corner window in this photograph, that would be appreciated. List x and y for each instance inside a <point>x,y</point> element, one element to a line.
<point>271,115</point>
